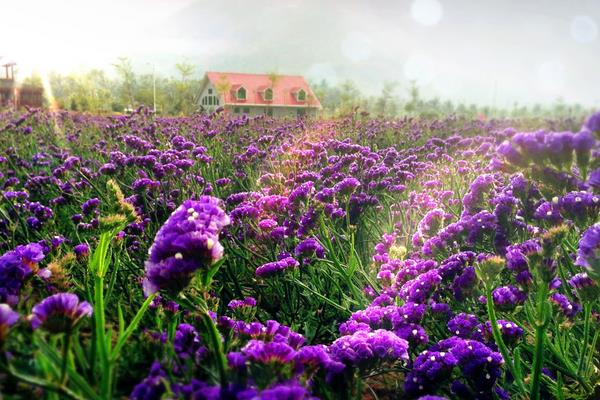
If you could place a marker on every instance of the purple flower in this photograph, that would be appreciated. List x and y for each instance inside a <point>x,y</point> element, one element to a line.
<point>419,289</point>
<point>81,250</point>
<point>274,267</point>
<point>506,298</point>
<point>346,186</point>
<point>430,369</point>
<point>587,288</point>
<point>568,309</point>
<point>16,266</point>
<point>187,242</point>
<point>510,331</point>
<point>286,391</point>
<point>592,124</point>
<point>308,248</point>
<point>59,313</point>
<point>594,179</point>
<point>90,206</point>
<point>479,365</point>
<point>8,318</point>
<point>588,253</point>
<point>187,343</point>
<point>246,302</point>
<point>268,352</point>
<point>462,325</point>
<point>548,211</point>
<point>153,386</point>
<point>362,349</point>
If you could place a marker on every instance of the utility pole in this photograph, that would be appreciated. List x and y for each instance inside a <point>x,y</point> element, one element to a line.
<point>154,88</point>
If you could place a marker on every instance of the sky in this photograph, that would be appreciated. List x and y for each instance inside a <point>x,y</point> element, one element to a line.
<point>479,51</point>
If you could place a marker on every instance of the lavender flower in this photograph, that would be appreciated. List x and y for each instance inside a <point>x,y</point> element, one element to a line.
<point>268,352</point>
<point>274,267</point>
<point>362,349</point>
<point>187,242</point>
<point>567,308</point>
<point>152,387</point>
<point>81,250</point>
<point>430,369</point>
<point>246,302</point>
<point>59,313</point>
<point>346,186</point>
<point>187,343</point>
<point>8,318</point>
<point>586,287</point>
<point>592,124</point>
<point>510,331</point>
<point>309,248</point>
<point>506,298</point>
<point>16,266</point>
<point>588,253</point>
<point>462,325</point>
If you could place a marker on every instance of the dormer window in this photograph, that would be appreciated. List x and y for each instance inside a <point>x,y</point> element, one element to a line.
<point>241,93</point>
<point>268,94</point>
<point>301,95</point>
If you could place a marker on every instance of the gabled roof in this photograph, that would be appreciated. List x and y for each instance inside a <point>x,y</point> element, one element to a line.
<point>284,89</point>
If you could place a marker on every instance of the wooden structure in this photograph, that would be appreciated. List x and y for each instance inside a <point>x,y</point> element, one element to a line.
<point>13,96</point>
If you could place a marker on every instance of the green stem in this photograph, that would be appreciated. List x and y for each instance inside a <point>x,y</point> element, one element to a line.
<point>99,320</point>
<point>592,351</point>
<point>65,357</point>
<point>131,328</point>
<point>540,336</point>
<point>498,337</point>
<point>60,389</point>
<point>587,312</point>
<point>217,346</point>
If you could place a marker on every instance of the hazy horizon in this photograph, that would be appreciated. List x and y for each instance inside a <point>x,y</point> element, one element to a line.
<point>489,53</point>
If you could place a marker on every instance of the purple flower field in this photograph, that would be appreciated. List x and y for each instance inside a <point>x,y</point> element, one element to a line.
<point>220,257</point>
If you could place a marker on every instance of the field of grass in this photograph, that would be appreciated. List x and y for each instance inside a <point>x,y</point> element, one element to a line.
<point>212,257</point>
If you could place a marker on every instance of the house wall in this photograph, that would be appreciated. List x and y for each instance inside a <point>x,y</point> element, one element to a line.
<point>278,112</point>
<point>205,95</point>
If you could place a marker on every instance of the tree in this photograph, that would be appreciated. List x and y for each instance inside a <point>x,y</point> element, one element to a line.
<point>188,89</point>
<point>128,81</point>
<point>386,104</point>
<point>349,97</point>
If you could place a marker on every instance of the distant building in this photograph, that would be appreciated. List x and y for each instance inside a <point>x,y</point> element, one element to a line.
<point>255,94</point>
<point>14,96</point>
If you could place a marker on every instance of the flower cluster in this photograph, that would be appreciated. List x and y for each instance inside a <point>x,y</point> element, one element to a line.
<point>187,242</point>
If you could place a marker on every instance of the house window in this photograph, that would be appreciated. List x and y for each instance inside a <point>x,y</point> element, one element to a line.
<point>209,91</point>
<point>236,110</point>
<point>246,110</point>
<point>300,112</point>
<point>268,95</point>
<point>301,96</point>
<point>241,93</point>
<point>269,112</point>
<point>216,101</point>
<point>210,100</point>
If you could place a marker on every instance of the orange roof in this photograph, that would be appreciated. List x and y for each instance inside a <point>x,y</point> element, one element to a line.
<point>284,89</point>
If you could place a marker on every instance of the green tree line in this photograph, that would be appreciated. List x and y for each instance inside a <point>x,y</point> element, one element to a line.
<point>98,92</point>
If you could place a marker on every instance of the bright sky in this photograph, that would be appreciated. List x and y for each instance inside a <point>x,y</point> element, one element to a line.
<point>489,52</point>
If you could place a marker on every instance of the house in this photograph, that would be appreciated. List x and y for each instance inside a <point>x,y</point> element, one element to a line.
<point>13,96</point>
<point>255,94</point>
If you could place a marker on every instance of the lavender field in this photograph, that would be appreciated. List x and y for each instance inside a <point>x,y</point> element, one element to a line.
<point>235,257</point>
